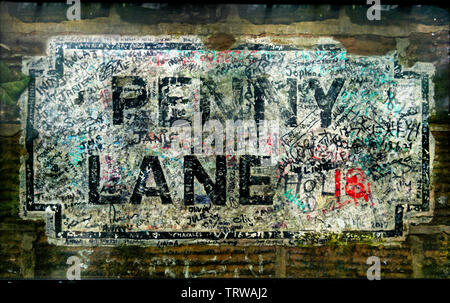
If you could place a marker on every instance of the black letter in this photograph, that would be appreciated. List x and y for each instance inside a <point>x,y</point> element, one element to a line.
<point>165,100</point>
<point>326,102</point>
<point>162,190</point>
<point>128,92</point>
<point>216,192</point>
<point>94,182</point>
<point>246,180</point>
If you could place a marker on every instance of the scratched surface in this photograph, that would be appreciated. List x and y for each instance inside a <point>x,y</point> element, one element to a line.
<point>342,142</point>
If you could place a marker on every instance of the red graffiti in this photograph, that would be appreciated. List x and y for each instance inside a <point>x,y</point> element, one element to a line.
<point>337,186</point>
<point>105,97</point>
<point>355,187</point>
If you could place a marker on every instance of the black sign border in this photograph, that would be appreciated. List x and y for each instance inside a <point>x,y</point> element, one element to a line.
<point>32,133</point>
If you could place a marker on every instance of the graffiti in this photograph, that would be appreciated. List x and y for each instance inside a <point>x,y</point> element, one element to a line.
<point>76,152</point>
<point>161,142</point>
<point>294,199</point>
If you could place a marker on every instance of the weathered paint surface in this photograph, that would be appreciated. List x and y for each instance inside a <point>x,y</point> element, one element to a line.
<point>348,146</point>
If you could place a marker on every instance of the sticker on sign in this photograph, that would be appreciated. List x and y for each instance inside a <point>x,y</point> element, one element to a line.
<point>155,141</point>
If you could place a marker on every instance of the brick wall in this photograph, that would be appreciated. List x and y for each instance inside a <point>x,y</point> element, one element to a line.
<point>417,35</point>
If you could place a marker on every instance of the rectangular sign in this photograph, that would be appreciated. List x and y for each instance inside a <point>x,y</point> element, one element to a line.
<point>152,141</point>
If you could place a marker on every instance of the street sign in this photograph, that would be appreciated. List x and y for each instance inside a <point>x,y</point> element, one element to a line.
<point>159,141</point>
